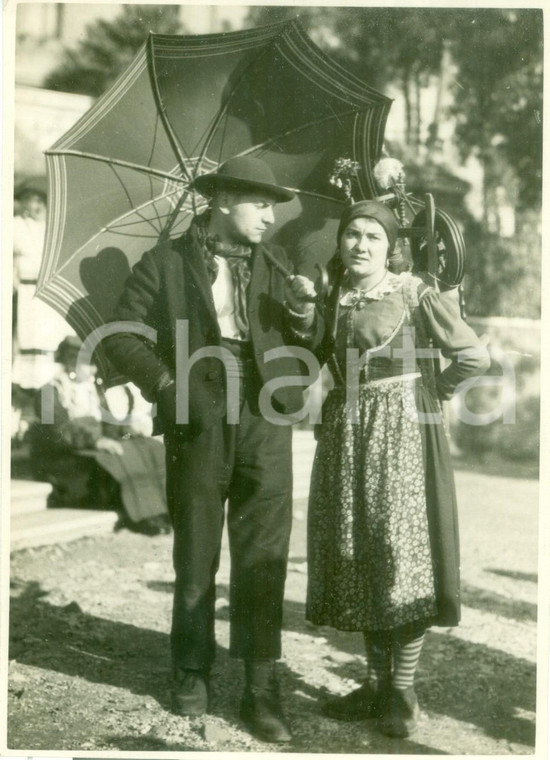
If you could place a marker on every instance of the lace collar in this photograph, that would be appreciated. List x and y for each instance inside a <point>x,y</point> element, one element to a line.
<point>357,297</point>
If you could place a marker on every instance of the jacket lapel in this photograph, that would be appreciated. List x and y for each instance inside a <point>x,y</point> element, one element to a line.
<point>193,262</point>
<point>259,279</point>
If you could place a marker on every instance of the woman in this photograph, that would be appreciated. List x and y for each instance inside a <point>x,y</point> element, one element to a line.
<point>383,539</point>
<point>37,328</point>
<point>96,463</point>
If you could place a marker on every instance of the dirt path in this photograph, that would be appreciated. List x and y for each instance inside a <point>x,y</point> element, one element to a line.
<point>89,654</point>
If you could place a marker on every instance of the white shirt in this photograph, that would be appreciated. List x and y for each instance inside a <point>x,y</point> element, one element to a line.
<point>224,300</point>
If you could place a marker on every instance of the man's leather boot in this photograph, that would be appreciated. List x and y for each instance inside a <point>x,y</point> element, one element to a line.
<point>189,692</point>
<point>261,709</point>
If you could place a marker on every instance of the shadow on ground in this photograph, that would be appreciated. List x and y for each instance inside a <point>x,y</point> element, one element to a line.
<point>515,575</point>
<point>467,682</point>
<point>491,464</point>
<point>498,604</point>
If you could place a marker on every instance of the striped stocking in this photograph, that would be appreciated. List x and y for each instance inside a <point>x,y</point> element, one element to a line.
<point>379,656</point>
<point>405,660</point>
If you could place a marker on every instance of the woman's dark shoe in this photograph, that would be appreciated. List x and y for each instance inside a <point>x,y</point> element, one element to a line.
<point>367,701</point>
<point>189,692</point>
<point>261,709</point>
<point>402,713</point>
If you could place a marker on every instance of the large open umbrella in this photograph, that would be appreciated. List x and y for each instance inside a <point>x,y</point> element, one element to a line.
<point>119,179</point>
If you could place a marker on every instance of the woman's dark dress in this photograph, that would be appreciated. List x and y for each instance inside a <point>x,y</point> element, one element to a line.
<point>383,546</point>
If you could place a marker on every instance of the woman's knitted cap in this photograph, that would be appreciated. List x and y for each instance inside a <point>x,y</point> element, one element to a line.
<point>374,210</point>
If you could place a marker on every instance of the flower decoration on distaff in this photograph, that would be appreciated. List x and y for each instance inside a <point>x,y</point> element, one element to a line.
<point>344,172</point>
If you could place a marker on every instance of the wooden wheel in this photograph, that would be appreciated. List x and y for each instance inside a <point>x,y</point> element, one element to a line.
<point>449,248</point>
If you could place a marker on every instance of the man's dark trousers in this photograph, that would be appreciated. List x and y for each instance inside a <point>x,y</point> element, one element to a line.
<point>250,465</point>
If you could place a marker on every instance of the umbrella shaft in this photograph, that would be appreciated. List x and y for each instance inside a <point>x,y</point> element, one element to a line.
<point>277,264</point>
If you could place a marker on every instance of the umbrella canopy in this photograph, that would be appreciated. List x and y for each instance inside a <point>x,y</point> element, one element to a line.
<point>119,179</point>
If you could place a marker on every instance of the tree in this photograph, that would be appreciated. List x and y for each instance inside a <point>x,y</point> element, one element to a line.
<point>491,59</point>
<point>497,59</point>
<point>503,274</point>
<point>499,94</point>
<point>382,46</point>
<point>109,46</point>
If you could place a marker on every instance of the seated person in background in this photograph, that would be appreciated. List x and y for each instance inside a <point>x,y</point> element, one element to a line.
<point>94,463</point>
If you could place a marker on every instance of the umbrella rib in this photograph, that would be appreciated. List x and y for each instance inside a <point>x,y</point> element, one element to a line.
<point>173,138</point>
<point>320,81</point>
<point>223,112</point>
<point>272,140</point>
<point>222,141</point>
<point>116,227</point>
<point>64,292</point>
<point>151,191</point>
<point>118,162</point>
<point>135,236</point>
<point>101,231</point>
<point>209,130</point>
<point>154,140</point>
<point>153,143</point>
<point>316,195</point>
<point>105,103</point>
<point>128,196</point>
<point>217,46</point>
<point>328,70</point>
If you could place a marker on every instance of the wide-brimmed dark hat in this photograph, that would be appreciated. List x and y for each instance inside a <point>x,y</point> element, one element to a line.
<point>245,174</point>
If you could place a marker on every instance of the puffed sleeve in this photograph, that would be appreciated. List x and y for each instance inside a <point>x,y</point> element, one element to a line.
<point>456,340</point>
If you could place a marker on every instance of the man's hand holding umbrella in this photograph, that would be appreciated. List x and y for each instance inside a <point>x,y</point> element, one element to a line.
<point>300,298</point>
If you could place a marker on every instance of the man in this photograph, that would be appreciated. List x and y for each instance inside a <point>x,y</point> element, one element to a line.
<point>220,281</point>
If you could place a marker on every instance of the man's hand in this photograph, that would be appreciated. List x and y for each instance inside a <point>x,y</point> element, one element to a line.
<point>166,404</point>
<point>109,445</point>
<point>300,294</point>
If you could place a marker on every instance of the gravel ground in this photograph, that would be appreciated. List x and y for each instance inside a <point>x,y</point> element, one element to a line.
<point>89,650</point>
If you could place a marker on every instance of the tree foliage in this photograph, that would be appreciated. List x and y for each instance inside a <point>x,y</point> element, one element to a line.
<point>490,58</point>
<point>109,46</point>
<point>378,44</point>
<point>496,81</point>
<point>499,94</point>
<point>496,56</point>
<point>503,274</point>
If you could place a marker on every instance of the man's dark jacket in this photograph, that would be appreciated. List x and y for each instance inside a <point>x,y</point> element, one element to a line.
<point>171,283</point>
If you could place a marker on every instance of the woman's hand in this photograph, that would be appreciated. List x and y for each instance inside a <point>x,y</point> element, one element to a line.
<point>300,294</point>
<point>109,445</point>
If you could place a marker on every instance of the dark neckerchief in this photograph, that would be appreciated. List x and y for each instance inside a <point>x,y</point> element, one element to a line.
<point>239,258</point>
